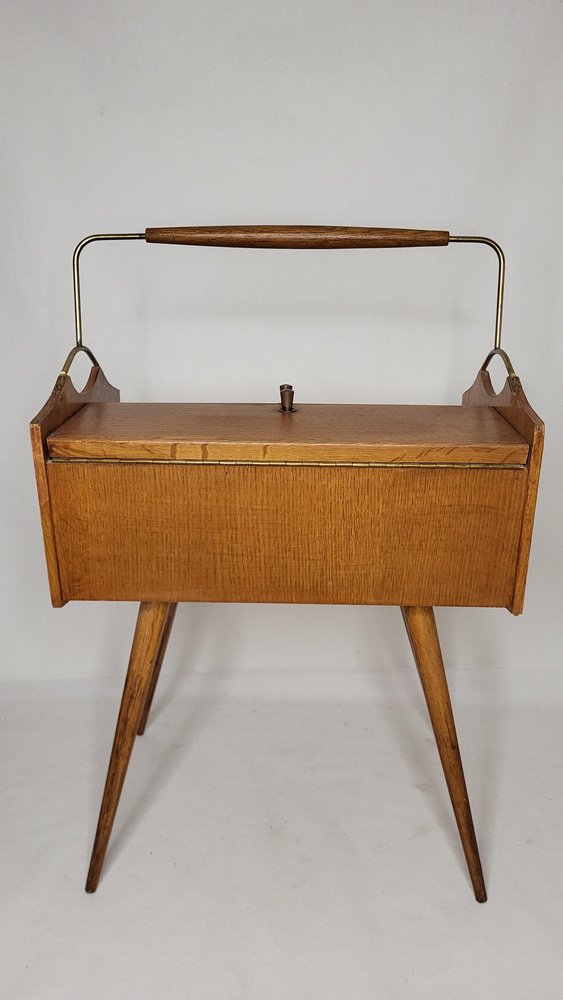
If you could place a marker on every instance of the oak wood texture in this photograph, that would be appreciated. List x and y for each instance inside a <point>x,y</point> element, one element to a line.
<point>313,534</point>
<point>171,614</point>
<point>512,405</point>
<point>64,401</point>
<point>445,518</point>
<point>151,622</point>
<point>315,432</point>
<point>298,237</point>
<point>421,629</point>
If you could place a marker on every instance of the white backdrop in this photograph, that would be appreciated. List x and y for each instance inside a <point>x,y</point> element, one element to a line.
<point>122,115</point>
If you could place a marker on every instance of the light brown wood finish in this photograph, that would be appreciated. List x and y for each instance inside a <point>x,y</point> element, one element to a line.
<point>336,535</point>
<point>157,667</point>
<point>298,237</point>
<point>258,432</point>
<point>512,405</point>
<point>446,521</point>
<point>421,629</point>
<point>151,622</point>
<point>63,402</point>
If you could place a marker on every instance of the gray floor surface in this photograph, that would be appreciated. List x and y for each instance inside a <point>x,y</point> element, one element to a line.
<point>277,843</point>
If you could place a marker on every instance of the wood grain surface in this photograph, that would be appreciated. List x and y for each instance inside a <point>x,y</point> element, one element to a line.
<point>151,622</point>
<point>343,535</point>
<point>421,629</point>
<point>63,402</point>
<point>315,432</point>
<point>298,237</point>
<point>157,666</point>
<point>511,403</point>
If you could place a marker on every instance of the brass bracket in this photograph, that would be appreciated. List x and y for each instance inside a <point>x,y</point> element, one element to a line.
<point>80,348</point>
<point>71,356</point>
<point>513,380</point>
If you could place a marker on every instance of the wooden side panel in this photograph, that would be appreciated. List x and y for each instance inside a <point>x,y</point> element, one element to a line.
<point>341,535</point>
<point>512,404</point>
<point>63,403</point>
<point>46,517</point>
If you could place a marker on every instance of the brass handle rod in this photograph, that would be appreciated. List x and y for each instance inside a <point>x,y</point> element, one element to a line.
<point>500,280</point>
<point>293,237</point>
<point>76,272</point>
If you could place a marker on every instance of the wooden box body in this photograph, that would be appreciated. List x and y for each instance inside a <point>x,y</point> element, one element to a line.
<point>405,505</point>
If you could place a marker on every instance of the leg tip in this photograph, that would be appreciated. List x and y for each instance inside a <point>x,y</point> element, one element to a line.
<point>92,882</point>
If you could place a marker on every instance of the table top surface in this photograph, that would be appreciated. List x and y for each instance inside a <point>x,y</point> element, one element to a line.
<point>314,432</point>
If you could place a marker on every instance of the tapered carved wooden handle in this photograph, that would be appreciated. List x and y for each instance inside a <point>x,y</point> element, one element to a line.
<point>298,237</point>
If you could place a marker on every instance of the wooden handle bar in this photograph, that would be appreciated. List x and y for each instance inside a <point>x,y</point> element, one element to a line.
<point>298,237</point>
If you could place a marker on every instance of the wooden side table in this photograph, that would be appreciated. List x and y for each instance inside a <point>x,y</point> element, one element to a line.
<point>414,506</point>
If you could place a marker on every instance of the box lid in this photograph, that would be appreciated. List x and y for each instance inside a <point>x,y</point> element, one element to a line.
<point>314,432</point>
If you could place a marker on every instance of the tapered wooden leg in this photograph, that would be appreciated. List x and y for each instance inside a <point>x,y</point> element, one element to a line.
<point>157,666</point>
<point>146,643</point>
<point>423,635</point>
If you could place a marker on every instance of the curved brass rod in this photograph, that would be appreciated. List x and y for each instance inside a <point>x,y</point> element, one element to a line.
<point>71,356</point>
<point>500,281</point>
<point>513,380</point>
<point>498,352</point>
<point>76,272</point>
